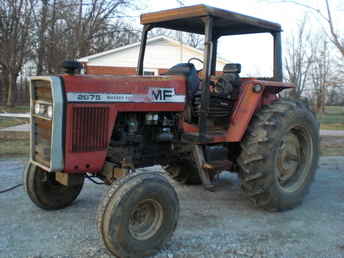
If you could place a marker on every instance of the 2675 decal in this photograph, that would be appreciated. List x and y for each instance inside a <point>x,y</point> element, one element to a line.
<point>89,97</point>
<point>154,95</point>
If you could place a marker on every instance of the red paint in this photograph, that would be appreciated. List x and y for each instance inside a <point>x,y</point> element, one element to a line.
<point>268,98</point>
<point>93,161</point>
<point>122,84</point>
<point>243,111</point>
<point>114,70</point>
<point>247,104</point>
<point>190,128</point>
<point>88,161</point>
<point>218,138</point>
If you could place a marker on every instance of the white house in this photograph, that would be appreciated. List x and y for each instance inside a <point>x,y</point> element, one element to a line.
<point>161,54</point>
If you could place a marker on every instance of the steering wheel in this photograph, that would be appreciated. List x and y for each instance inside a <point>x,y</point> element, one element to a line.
<point>196,59</point>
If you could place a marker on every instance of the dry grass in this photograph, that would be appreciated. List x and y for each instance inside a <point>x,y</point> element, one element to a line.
<point>332,119</point>
<point>16,144</point>
<point>13,121</point>
<point>331,146</point>
<point>14,147</point>
<point>16,109</point>
<point>9,121</point>
<point>337,126</point>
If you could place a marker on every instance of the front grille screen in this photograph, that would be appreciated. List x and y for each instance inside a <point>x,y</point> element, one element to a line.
<point>41,126</point>
<point>42,90</point>
<point>90,129</point>
<point>42,140</point>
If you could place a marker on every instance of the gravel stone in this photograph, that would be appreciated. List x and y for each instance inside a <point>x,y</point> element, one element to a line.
<point>219,224</point>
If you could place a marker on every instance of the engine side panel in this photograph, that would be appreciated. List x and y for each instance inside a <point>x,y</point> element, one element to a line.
<point>143,138</point>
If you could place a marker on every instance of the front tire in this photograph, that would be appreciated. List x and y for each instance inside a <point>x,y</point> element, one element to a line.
<point>138,215</point>
<point>279,156</point>
<point>46,192</point>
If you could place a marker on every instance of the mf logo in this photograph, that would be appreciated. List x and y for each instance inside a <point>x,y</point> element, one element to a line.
<point>161,94</point>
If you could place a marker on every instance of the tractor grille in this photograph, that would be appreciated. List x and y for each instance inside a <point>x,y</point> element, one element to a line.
<point>42,140</point>
<point>41,126</point>
<point>90,129</point>
<point>42,90</point>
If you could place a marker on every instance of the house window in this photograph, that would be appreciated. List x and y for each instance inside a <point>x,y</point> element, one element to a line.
<point>150,72</point>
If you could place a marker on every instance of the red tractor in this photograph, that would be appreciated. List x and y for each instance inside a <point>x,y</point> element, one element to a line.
<point>193,123</point>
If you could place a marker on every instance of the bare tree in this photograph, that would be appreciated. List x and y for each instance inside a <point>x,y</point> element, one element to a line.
<point>333,29</point>
<point>325,72</point>
<point>336,38</point>
<point>321,73</point>
<point>299,59</point>
<point>75,28</point>
<point>42,29</point>
<point>194,40</point>
<point>190,39</point>
<point>16,28</point>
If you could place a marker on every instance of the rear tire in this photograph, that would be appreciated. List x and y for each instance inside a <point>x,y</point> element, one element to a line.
<point>279,156</point>
<point>138,215</point>
<point>184,172</point>
<point>46,192</point>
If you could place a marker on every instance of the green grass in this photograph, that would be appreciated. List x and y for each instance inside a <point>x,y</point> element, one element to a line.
<point>338,126</point>
<point>331,146</point>
<point>14,147</point>
<point>332,119</point>
<point>9,121</point>
<point>16,109</point>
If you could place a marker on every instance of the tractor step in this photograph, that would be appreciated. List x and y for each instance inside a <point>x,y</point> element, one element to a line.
<point>211,137</point>
<point>218,165</point>
<point>200,162</point>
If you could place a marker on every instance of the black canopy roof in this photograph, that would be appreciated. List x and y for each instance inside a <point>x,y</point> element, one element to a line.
<point>189,19</point>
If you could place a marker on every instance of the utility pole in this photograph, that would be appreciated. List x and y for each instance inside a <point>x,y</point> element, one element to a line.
<point>180,34</point>
<point>42,31</point>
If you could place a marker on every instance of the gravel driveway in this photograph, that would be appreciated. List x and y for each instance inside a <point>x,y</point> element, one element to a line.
<point>220,224</point>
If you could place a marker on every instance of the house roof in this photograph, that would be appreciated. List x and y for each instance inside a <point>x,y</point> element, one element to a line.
<point>137,44</point>
<point>190,19</point>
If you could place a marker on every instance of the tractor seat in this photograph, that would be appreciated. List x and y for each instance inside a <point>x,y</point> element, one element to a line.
<point>231,72</point>
<point>189,71</point>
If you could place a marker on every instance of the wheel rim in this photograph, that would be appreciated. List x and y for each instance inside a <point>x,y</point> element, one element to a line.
<point>49,184</point>
<point>146,219</point>
<point>294,158</point>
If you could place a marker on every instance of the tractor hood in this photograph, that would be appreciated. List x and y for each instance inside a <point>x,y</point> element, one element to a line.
<point>83,110</point>
<point>124,89</point>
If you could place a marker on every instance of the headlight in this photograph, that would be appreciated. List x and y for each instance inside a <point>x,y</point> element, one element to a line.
<point>50,111</point>
<point>43,109</point>
<point>39,109</point>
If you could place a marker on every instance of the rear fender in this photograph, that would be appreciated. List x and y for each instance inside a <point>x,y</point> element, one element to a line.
<point>254,94</point>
